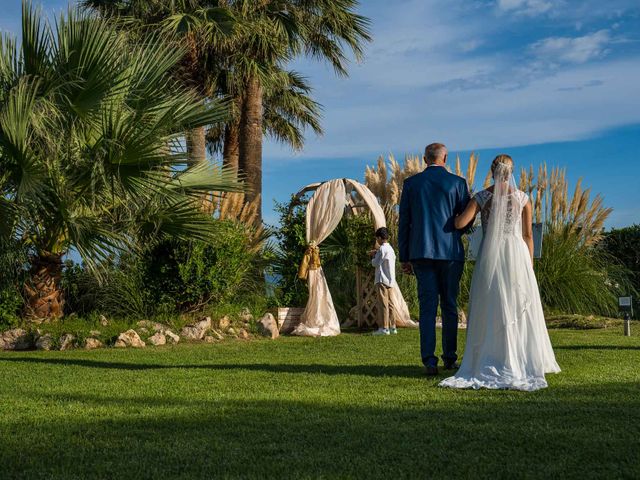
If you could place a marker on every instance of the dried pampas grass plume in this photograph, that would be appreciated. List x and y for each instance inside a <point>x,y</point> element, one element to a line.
<point>548,190</point>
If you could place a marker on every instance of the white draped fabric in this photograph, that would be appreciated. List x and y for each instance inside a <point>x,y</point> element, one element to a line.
<point>372,202</point>
<point>400,309</point>
<point>324,212</point>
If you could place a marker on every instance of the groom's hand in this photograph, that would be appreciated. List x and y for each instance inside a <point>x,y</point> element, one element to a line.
<point>407,268</point>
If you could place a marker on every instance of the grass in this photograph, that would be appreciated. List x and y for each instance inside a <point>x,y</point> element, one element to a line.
<point>354,406</point>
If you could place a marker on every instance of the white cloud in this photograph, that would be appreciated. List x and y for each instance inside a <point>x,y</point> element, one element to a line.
<point>468,46</point>
<point>573,49</point>
<point>526,7</point>
<point>580,11</point>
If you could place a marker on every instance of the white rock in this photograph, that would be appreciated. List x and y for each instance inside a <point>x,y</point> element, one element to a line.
<point>196,331</point>
<point>151,326</point>
<point>173,338</point>
<point>15,339</point>
<point>268,327</point>
<point>66,341</point>
<point>103,321</point>
<point>231,331</point>
<point>44,342</point>
<point>242,333</point>
<point>245,315</point>
<point>92,343</point>
<point>224,323</point>
<point>209,339</point>
<point>130,338</point>
<point>217,335</point>
<point>158,339</point>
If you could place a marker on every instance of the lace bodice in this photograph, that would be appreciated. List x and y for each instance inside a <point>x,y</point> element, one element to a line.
<point>513,222</point>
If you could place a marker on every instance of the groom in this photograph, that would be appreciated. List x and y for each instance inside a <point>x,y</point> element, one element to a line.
<point>431,248</point>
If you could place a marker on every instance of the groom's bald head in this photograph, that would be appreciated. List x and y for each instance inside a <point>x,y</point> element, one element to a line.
<point>435,153</point>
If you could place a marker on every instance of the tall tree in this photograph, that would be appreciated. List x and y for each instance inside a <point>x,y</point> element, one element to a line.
<point>273,32</point>
<point>90,148</point>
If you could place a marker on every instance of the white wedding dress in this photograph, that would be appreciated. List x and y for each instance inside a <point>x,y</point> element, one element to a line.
<point>507,344</point>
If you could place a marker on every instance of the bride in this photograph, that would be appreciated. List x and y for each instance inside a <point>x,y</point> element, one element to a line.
<point>507,341</point>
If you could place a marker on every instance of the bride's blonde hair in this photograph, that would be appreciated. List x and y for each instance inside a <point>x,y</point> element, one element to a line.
<point>502,160</point>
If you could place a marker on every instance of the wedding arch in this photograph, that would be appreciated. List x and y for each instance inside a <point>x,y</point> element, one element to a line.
<point>330,202</point>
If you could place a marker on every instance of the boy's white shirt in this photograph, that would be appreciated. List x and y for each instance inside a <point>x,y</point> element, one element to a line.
<point>385,263</point>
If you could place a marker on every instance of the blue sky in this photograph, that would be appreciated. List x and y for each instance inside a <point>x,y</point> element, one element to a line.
<point>545,80</point>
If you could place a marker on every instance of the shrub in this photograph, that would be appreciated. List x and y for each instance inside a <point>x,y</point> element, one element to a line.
<point>187,276</point>
<point>343,252</point>
<point>291,244</point>
<point>624,245</point>
<point>578,278</point>
<point>581,322</point>
<point>173,276</point>
<point>13,268</point>
<point>81,291</point>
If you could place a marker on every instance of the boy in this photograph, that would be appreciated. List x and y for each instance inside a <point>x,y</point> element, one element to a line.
<point>384,259</point>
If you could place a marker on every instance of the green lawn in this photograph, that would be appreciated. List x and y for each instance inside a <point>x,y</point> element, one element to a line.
<point>355,406</point>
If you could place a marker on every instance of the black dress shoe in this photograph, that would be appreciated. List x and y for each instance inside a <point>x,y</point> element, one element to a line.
<point>451,366</point>
<point>431,370</point>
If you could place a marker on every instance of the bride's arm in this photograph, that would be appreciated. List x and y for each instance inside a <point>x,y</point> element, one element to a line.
<point>463,220</point>
<point>527,227</point>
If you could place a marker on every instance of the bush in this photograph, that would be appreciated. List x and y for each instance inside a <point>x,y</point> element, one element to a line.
<point>172,277</point>
<point>624,245</point>
<point>13,268</point>
<point>578,278</point>
<point>81,290</point>
<point>343,252</point>
<point>187,276</point>
<point>291,244</point>
<point>581,322</point>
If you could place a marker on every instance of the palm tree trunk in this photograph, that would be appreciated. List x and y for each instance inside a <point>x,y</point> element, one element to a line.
<point>197,145</point>
<point>251,143</point>
<point>44,297</point>
<point>231,150</point>
<point>197,153</point>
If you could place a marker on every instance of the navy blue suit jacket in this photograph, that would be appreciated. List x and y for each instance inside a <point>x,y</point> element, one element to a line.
<point>429,204</point>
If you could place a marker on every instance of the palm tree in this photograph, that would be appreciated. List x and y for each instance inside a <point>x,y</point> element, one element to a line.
<point>247,63</point>
<point>91,148</point>
<point>270,33</point>
<point>191,24</point>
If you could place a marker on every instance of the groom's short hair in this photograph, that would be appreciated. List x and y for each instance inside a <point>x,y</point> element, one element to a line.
<point>434,152</point>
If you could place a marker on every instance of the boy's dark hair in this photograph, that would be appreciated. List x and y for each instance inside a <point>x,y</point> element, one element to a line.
<point>382,233</point>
